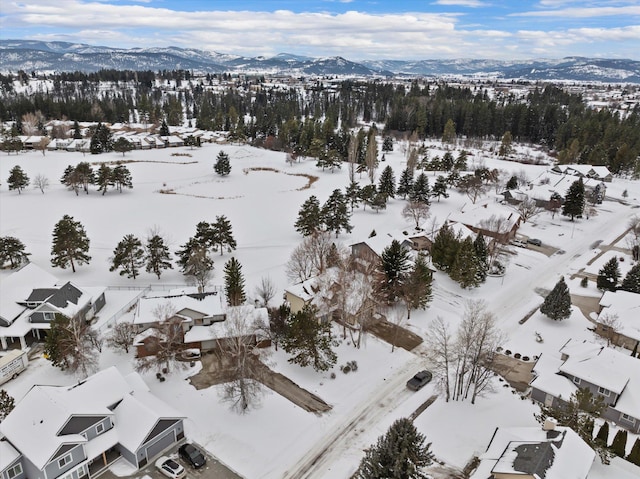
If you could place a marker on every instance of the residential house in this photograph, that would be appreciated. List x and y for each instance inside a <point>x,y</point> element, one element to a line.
<point>624,308</point>
<point>71,432</point>
<point>600,173</point>
<point>606,372</point>
<point>491,219</point>
<point>549,452</point>
<point>31,298</point>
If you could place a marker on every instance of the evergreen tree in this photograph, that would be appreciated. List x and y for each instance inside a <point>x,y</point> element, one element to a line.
<point>619,444</point>
<point>557,304</point>
<point>603,435</point>
<point>85,175</point>
<point>634,455</point>
<point>417,290</point>
<point>506,147</point>
<point>378,202</point>
<point>223,235</point>
<point>18,179</point>
<point>164,128</point>
<point>104,178</point>
<point>122,145</point>
<point>631,281</point>
<point>574,200</point>
<point>186,251</point>
<point>400,453</point>
<point>440,188</point>
<point>387,182</point>
<point>222,166</point>
<point>447,161</point>
<point>461,161</point>
<point>309,340</point>
<point>71,179</point>
<point>128,256</point>
<point>466,265</point>
<point>12,251</point>
<point>512,184</point>
<point>395,267</point>
<point>157,255</point>
<point>449,133</point>
<point>352,194</point>
<point>70,244</point>
<point>609,275</point>
<point>198,266</point>
<point>77,132</point>
<point>122,177</point>
<point>309,217</point>
<point>95,146</point>
<point>387,144</point>
<point>444,248</point>
<point>482,255</point>
<point>234,283</point>
<point>336,214</point>
<point>405,185</point>
<point>7,403</point>
<point>420,192</point>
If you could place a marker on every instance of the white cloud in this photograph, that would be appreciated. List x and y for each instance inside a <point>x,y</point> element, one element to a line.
<point>579,12</point>
<point>461,3</point>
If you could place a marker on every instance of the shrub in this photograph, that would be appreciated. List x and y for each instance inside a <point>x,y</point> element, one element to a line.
<point>584,282</point>
<point>353,365</point>
<point>517,355</point>
<point>346,369</point>
<point>333,375</point>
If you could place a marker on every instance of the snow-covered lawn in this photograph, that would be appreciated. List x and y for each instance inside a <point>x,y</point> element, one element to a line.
<point>275,438</point>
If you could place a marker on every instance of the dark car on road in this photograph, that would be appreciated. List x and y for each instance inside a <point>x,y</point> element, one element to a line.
<point>192,455</point>
<point>420,380</point>
<point>534,242</point>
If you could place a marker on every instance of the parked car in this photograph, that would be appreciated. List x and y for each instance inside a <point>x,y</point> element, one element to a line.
<point>170,468</point>
<point>192,455</point>
<point>534,242</point>
<point>191,354</point>
<point>420,380</point>
<point>520,243</point>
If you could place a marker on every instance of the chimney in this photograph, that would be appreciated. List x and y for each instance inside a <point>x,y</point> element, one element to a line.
<point>550,424</point>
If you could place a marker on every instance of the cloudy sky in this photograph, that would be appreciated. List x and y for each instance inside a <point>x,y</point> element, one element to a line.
<point>355,29</point>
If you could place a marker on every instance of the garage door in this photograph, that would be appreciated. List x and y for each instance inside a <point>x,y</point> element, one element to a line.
<point>162,444</point>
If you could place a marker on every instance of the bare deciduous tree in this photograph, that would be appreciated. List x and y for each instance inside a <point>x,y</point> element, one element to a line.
<point>528,209</point>
<point>165,341</point>
<point>473,187</point>
<point>42,145</point>
<point>440,348</point>
<point>416,211</point>
<point>266,290</point>
<point>244,390</point>
<point>611,325</point>
<point>310,257</point>
<point>121,336</point>
<point>41,182</point>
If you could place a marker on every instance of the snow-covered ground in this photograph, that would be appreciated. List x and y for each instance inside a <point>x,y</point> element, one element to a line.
<point>278,439</point>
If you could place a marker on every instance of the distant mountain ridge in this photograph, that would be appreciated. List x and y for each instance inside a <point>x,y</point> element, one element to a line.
<point>30,55</point>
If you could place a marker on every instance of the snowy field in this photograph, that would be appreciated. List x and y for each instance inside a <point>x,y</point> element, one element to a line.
<point>277,439</point>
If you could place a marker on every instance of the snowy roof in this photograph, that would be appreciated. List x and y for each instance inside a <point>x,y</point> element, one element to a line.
<point>601,366</point>
<point>8,455</point>
<point>558,454</point>
<point>626,306</point>
<point>477,214</point>
<point>555,384</point>
<point>34,426</point>
<point>217,330</point>
<point>17,287</point>
<point>184,305</point>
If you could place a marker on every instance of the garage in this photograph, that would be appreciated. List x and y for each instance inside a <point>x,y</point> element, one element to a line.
<point>161,444</point>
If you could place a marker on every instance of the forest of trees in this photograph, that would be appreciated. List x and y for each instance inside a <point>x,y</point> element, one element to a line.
<point>316,122</point>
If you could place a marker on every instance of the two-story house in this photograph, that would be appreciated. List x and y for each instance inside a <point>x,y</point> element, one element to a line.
<point>604,371</point>
<point>71,432</point>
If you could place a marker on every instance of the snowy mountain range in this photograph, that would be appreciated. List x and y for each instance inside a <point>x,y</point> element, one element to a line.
<point>29,55</point>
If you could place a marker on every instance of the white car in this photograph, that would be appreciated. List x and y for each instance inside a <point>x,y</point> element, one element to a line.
<point>519,243</point>
<point>170,468</point>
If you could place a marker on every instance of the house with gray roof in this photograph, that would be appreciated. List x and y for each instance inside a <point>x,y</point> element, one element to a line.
<point>76,431</point>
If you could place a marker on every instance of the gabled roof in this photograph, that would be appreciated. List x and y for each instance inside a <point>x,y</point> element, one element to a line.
<point>17,286</point>
<point>34,426</point>
<point>8,455</point>
<point>626,306</point>
<point>146,309</point>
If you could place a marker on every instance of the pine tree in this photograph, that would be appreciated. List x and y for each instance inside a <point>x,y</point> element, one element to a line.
<point>104,178</point>
<point>222,166</point>
<point>440,188</point>
<point>77,133</point>
<point>70,244</point>
<point>18,179</point>
<point>378,202</point>
<point>400,453</point>
<point>309,340</point>
<point>619,444</point>
<point>466,265</point>
<point>417,291</point>
<point>186,251</point>
<point>574,200</point>
<point>506,147</point>
<point>198,267</point>
<point>631,281</point>
<point>420,192</point>
<point>387,183</point>
<point>482,255</point>
<point>387,144</point>
<point>85,175</point>
<point>234,283</point>
<point>335,213</point>
<point>449,133</point>
<point>352,194</point>
<point>603,435</point>
<point>122,145</point>
<point>71,179</point>
<point>395,267</point>
<point>223,235</point>
<point>122,177</point>
<point>309,217</point>
<point>609,275</point>
<point>442,249</point>
<point>164,128</point>
<point>557,304</point>
<point>7,403</point>
<point>128,256</point>
<point>634,455</point>
<point>405,185</point>
<point>512,184</point>
<point>461,161</point>
<point>157,255</point>
<point>12,250</point>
